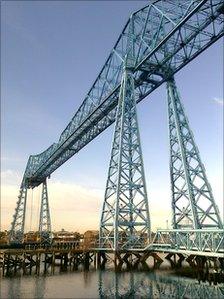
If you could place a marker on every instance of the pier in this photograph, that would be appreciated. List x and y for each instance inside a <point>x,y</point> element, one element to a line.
<point>39,261</point>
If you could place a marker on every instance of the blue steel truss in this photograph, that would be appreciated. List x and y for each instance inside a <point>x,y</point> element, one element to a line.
<point>205,242</point>
<point>167,35</point>
<point>125,219</point>
<point>193,205</point>
<point>45,220</point>
<point>18,223</point>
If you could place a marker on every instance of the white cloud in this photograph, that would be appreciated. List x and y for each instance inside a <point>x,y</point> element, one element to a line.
<point>10,177</point>
<point>72,207</point>
<point>77,208</point>
<point>219,101</point>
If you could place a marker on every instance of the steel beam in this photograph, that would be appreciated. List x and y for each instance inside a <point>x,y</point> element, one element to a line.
<point>209,242</point>
<point>18,223</point>
<point>193,204</point>
<point>45,220</point>
<point>125,219</point>
<point>167,36</point>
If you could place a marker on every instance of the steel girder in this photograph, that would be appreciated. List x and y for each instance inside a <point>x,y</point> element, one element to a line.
<point>167,35</point>
<point>208,242</point>
<point>193,204</point>
<point>125,219</point>
<point>18,223</point>
<point>125,216</point>
<point>45,220</point>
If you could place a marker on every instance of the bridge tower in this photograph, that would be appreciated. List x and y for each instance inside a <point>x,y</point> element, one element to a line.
<point>18,223</point>
<point>193,204</point>
<point>45,220</point>
<point>125,219</point>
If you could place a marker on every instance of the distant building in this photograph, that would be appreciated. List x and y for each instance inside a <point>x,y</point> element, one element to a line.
<point>60,238</point>
<point>4,238</point>
<point>90,239</point>
<point>65,237</point>
<point>31,237</point>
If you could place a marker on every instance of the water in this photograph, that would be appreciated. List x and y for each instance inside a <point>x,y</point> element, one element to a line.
<point>108,284</point>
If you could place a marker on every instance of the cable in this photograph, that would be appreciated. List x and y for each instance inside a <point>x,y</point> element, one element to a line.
<point>31,212</point>
<point>38,209</point>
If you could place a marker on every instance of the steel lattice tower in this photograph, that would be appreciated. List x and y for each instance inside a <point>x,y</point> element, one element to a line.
<point>125,219</point>
<point>193,205</point>
<point>156,42</point>
<point>18,223</point>
<point>45,220</point>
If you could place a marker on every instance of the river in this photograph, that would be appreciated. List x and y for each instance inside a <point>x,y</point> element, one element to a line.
<point>108,284</point>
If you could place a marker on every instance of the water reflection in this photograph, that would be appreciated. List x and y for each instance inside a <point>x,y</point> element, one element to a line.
<point>153,285</point>
<point>39,290</point>
<point>14,287</point>
<point>22,287</point>
<point>108,284</point>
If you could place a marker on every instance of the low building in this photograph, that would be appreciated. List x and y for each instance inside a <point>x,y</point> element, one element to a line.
<point>64,237</point>
<point>4,238</point>
<point>90,239</point>
<point>31,237</point>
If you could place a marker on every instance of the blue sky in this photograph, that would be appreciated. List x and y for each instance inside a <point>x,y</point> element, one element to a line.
<point>51,53</point>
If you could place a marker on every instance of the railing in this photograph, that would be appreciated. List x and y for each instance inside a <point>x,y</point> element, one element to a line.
<point>201,242</point>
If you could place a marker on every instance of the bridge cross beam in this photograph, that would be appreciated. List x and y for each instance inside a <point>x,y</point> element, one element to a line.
<point>193,204</point>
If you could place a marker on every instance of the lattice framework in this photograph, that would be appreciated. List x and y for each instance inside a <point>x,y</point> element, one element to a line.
<point>18,223</point>
<point>45,220</point>
<point>193,204</point>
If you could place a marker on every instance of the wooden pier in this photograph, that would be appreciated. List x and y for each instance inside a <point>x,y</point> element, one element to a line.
<point>37,261</point>
<point>34,261</point>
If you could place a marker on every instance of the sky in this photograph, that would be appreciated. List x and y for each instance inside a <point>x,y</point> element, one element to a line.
<point>51,53</point>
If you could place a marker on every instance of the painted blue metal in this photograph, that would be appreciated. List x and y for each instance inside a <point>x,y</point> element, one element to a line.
<point>125,219</point>
<point>202,242</point>
<point>45,220</point>
<point>205,242</point>
<point>166,36</point>
<point>193,204</point>
<point>18,223</point>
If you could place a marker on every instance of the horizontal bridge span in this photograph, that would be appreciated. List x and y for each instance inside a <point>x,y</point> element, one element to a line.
<point>167,35</point>
<point>209,242</point>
